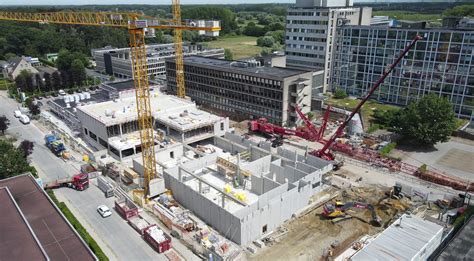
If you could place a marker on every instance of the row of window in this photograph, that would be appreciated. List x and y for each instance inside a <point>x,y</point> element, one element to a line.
<point>305,30</point>
<point>308,39</point>
<point>305,63</point>
<point>306,13</point>
<point>306,22</point>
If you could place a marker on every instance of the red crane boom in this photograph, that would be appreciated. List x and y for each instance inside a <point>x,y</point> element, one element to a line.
<point>324,153</point>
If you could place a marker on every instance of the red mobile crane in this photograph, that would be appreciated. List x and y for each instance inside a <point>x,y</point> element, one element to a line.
<point>310,132</point>
<point>325,153</point>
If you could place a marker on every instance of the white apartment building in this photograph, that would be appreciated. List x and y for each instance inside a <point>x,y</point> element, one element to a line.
<point>310,30</point>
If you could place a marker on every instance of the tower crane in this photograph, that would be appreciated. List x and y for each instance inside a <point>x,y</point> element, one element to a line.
<point>136,24</point>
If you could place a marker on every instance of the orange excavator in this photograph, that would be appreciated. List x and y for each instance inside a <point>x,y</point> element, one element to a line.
<point>337,211</point>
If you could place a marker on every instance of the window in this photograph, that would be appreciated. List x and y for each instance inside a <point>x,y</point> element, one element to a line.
<point>92,135</point>
<point>86,132</point>
<point>103,143</point>
<point>172,154</point>
<point>114,151</point>
<point>222,126</point>
<point>127,152</point>
<point>264,229</point>
<point>316,184</point>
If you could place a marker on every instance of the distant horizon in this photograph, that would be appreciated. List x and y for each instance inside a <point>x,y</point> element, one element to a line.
<point>197,2</point>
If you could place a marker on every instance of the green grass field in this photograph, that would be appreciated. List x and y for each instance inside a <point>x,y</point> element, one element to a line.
<point>367,110</point>
<point>241,45</point>
<point>4,84</point>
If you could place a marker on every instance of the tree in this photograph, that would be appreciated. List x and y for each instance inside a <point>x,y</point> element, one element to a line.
<point>265,51</point>
<point>4,122</point>
<point>340,94</point>
<point>39,82</point>
<point>47,82</point>
<point>26,147</point>
<point>12,161</point>
<point>24,81</point>
<point>56,81</point>
<point>228,55</point>
<point>35,109</point>
<point>310,115</point>
<point>112,78</point>
<point>460,11</point>
<point>279,36</point>
<point>265,41</point>
<point>78,72</point>
<point>427,121</point>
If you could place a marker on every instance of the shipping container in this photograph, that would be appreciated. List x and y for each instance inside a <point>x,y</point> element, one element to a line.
<point>105,186</point>
<point>126,208</point>
<point>157,238</point>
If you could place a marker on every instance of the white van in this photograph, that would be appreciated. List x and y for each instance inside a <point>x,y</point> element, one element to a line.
<point>24,119</point>
<point>17,113</point>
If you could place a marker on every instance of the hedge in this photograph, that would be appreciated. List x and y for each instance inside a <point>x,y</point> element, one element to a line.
<point>387,149</point>
<point>79,228</point>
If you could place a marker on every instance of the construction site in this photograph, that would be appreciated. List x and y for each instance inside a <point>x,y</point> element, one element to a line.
<point>189,182</point>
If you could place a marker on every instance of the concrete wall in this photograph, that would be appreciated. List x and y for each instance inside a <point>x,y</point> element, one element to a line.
<point>213,214</point>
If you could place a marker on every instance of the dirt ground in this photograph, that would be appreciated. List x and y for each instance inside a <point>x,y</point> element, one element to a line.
<point>310,236</point>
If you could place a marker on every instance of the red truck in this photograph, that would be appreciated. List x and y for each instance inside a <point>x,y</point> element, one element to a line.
<point>126,208</point>
<point>78,182</point>
<point>157,238</point>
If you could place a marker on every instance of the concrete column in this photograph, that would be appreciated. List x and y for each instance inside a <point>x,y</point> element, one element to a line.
<point>200,186</point>
<point>120,127</point>
<point>182,137</point>
<point>223,201</point>
<point>167,130</point>
<point>179,174</point>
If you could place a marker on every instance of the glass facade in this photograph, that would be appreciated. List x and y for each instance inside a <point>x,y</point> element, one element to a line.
<point>441,63</point>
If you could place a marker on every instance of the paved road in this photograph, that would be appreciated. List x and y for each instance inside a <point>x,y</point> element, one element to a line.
<point>120,240</point>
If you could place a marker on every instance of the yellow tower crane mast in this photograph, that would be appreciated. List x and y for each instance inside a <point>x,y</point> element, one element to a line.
<point>136,24</point>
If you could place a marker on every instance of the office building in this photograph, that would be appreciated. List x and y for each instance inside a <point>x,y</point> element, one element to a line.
<point>117,61</point>
<point>310,30</point>
<point>442,63</point>
<point>244,90</point>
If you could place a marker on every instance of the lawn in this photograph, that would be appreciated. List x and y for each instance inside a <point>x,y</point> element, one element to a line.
<point>367,110</point>
<point>4,84</point>
<point>241,45</point>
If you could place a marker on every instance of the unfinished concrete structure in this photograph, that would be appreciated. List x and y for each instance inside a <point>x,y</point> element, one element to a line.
<point>243,190</point>
<point>244,89</point>
<point>113,125</point>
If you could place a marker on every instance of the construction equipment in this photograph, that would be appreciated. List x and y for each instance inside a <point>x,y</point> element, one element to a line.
<point>54,144</point>
<point>395,192</point>
<point>138,26</point>
<point>309,132</point>
<point>338,210</point>
<point>325,152</point>
<point>78,182</point>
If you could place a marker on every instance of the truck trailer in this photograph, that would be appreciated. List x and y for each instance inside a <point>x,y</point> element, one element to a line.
<point>157,238</point>
<point>78,182</point>
<point>126,208</point>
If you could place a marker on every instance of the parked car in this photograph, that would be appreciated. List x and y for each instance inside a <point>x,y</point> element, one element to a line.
<point>24,119</point>
<point>17,113</point>
<point>62,92</point>
<point>104,211</point>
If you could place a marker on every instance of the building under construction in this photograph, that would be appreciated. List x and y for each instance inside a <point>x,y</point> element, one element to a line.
<point>242,189</point>
<point>113,124</point>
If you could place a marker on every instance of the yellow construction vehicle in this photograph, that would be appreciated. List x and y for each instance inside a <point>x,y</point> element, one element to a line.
<point>337,211</point>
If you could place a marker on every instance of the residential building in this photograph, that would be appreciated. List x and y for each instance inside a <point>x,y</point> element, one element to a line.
<point>310,31</point>
<point>113,124</point>
<point>442,63</point>
<point>244,89</point>
<point>33,228</point>
<point>242,189</point>
<point>117,61</point>
<point>18,64</point>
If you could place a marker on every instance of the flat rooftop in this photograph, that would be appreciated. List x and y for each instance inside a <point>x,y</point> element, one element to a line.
<point>16,231</point>
<point>462,246</point>
<point>122,86</point>
<point>96,97</point>
<point>400,241</point>
<point>220,64</point>
<point>177,113</point>
<point>57,237</point>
